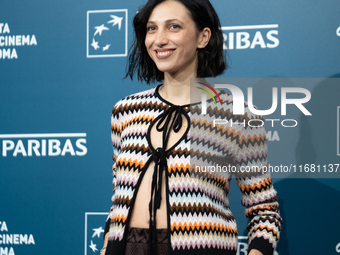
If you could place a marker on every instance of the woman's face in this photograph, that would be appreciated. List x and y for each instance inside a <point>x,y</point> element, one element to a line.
<point>172,38</point>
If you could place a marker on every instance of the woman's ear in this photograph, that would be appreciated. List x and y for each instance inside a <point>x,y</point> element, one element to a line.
<point>204,38</point>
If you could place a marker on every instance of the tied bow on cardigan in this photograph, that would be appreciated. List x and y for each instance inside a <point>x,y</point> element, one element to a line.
<point>164,125</point>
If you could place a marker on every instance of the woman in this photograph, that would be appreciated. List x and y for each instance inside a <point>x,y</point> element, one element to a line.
<point>161,204</point>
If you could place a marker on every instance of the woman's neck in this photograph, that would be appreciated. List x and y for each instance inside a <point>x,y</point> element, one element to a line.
<point>176,89</point>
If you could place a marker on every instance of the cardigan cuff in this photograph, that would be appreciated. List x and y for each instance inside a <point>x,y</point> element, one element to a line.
<point>262,245</point>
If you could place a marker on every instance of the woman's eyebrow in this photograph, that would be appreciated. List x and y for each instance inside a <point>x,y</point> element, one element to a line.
<point>167,21</point>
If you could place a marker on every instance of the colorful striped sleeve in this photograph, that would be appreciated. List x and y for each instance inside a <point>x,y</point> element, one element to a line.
<point>116,145</point>
<point>258,194</point>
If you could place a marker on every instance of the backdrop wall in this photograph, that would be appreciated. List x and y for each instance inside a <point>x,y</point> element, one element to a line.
<point>62,65</point>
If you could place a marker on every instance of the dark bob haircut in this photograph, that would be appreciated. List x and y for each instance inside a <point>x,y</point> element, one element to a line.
<point>211,58</point>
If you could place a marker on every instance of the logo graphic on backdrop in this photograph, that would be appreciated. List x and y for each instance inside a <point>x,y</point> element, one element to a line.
<point>338,31</point>
<point>94,230</point>
<point>10,42</point>
<point>43,145</point>
<point>107,33</point>
<point>7,239</point>
<point>251,37</point>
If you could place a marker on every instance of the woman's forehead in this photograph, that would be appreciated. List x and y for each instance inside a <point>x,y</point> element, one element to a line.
<point>170,10</point>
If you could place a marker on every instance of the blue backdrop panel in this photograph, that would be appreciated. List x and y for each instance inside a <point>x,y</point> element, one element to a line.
<point>62,65</point>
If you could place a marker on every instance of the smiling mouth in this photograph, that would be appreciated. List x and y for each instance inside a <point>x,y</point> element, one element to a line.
<point>164,54</point>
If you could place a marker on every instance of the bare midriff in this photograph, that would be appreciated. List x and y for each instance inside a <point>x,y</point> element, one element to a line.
<point>140,217</point>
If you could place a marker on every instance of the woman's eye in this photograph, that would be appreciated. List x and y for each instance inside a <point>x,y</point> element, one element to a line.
<point>175,26</point>
<point>151,28</point>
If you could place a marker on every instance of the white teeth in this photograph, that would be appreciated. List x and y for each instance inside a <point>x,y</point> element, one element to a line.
<point>164,53</point>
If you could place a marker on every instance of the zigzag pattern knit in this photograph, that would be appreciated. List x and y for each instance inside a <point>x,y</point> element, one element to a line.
<point>199,218</point>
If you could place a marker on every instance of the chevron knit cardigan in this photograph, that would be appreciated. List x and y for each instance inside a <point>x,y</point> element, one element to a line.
<point>199,218</point>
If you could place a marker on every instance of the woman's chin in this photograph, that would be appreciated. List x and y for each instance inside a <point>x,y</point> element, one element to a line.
<point>166,69</point>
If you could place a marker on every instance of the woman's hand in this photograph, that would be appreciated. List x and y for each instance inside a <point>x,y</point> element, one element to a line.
<point>103,250</point>
<point>255,252</point>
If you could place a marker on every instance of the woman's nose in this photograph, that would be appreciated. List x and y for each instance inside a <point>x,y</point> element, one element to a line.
<point>161,38</point>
